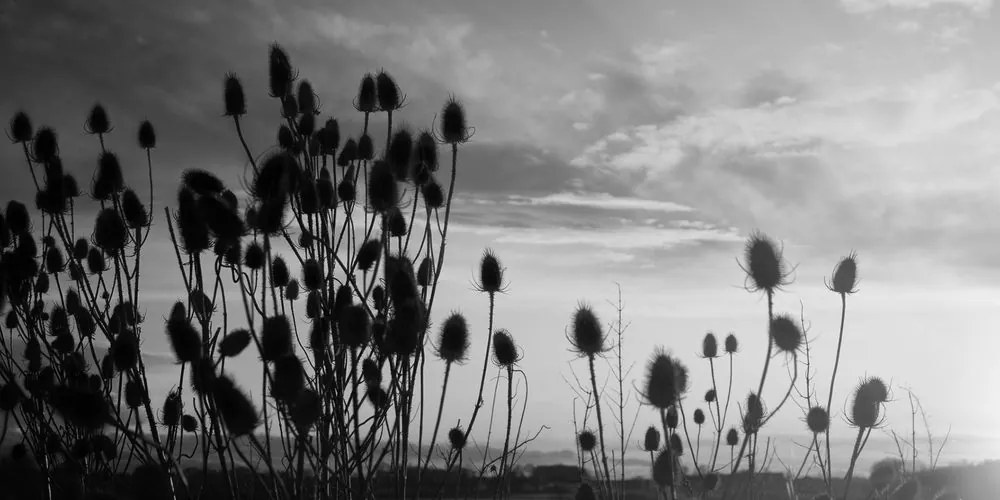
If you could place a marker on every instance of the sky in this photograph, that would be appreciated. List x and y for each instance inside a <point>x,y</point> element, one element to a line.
<point>633,143</point>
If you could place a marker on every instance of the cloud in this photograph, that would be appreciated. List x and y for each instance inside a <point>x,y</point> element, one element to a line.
<point>865,6</point>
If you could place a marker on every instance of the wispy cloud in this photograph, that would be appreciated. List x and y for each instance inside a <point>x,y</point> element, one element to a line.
<point>863,6</point>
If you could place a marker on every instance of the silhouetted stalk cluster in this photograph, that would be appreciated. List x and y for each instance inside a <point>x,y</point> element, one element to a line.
<point>327,268</point>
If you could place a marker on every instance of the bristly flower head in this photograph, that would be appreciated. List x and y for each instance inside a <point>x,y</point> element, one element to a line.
<point>587,336</point>
<point>587,440</point>
<point>869,396</point>
<point>134,211</point>
<point>651,442</point>
<point>454,129</point>
<point>184,338</point>
<point>20,128</point>
<point>400,151</point>
<point>732,437</point>
<point>490,273</point>
<point>710,396</point>
<point>845,275</point>
<point>666,380</point>
<point>367,100</point>
<point>433,195</point>
<point>453,342</point>
<point>785,333</point>
<point>505,351</point>
<point>709,346</point>
<point>676,445</point>
<point>732,345</point>
<point>457,438</point>
<point>764,265</point>
<point>108,180</point>
<point>280,72</point>
<point>426,151</point>
<point>818,420</point>
<point>672,418</point>
<point>699,416</point>
<point>383,193</point>
<point>97,121</point>
<point>235,408</point>
<point>192,226</point>
<point>147,135</point>
<point>235,100</point>
<point>45,147</point>
<point>354,326</point>
<point>663,469</point>
<point>275,338</point>
<point>307,98</point>
<point>753,414</point>
<point>110,232</point>
<point>389,96</point>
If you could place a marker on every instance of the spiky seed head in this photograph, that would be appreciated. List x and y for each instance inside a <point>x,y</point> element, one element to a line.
<point>80,249</point>
<point>172,407</point>
<point>587,335</point>
<point>306,98</point>
<point>307,125</point>
<point>710,346</point>
<point>367,101</point>
<point>280,73</point>
<point>453,341</point>
<point>425,272</point>
<point>389,95</point>
<point>96,263</point>
<point>426,152</point>
<point>289,379</point>
<point>378,397</point>
<point>764,264</point>
<point>314,305</point>
<point>456,437</point>
<point>866,407</point>
<point>202,182</point>
<point>370,372</point>
<point>883,474</point>
<point>135,395</point>
<point>54,261</point>
<point>845,275</point>
<point>134,211</point>
<point>312,275</point>
<point>383,193</point>
<point>254,256</point>
<point>378,297</point>
<point>277,178</point>
<point>329,137</point>
<point>11,321</point>
<point>326,193</point>
<point>710,396</point>
<point>346,190</point>
<point>20,127</point>
<point>395,223</point>
<point>125,350</point>
<point>666,380</point>
<point>651,442</point>
<point>285,138</point>
<point>97,120</point>
<point>490,273</point>
<point>10,396</point>
<point>279,272</point>
<point>699,416</point>
<point>366,148</point>
<point>676,445</point>
<point>184,338</point>
<point>454,129</point>
<point>189,423</point>
<point>342,299</point>
<point>433,195</point>
<point>276,338</point>
<point>753,414</point>
<point>191,224</point>
<point>354,326</point>
<point>70,188</point>
<point>108,180</point>
<point>505,351</point>
<point>398,156</point>
<point>45,146</point>
<point>18,220</point>
<point>785,333</point>
<point>672,419</point>
<point>348,154</point>
<point>587,440</point>
<point>818,420</point>
<point>731,344</point>
<point>307,409</point>
<point>585,492</point>
<point>663,469</point>
<point>147,135</point>
<point>110,232</point>
<point>292,290</point>
<point>235,408</point>
<point>42,284</point>
<point>732,437</point>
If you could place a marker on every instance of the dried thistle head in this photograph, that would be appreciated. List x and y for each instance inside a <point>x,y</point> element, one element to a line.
<point>329,137</point>
<point>764,264</point>
<point>699,416</point>
<point>172,408</point>
<point>367,100</point>
<point>753,414</point>
<point>289,379</point>
<point>866,408</point>
<point>312,275</point>
<point>348,154</point>
<point>710,396</point>
<point>20,128</point>
<point>732,437</point>
<point>202,182</point>
<point>147,135</point>
<point>280,72</point>
<point>275,338</point>
<point>505,351</point>
<point>191,225</point>
<point>785,333</point>
<point>279,272</point>
<point>254,257</point>
<point>184,338</point>
<point>108,180</point>
<point>453,341</point>
<point>354,326</point>
<point>307,409</point>
<point>666,381</point>
<point>366,148</point>
<point>454,129</point>
<point>587,440</point>
<point>425,151</point>
<point>587,336</point>
<point>110,232</point>
<point>134,211</point>
<point>306,98</point>
<point>235,408</point>
<point>709,346</point>
<point>398,156</point>
<point>383,193</point>
<point>456,437</point>
<point>651,441</point>
<point>884,473</point>
<point>732,345</point>
<point>389,96</point>
<point>490,273</point>
<point>663,469</point>
<point>425,272</point>
<point>672,419</point>
<point>433,195</point>
<point>45,146</point>
<point>97,120</point>
<point>845,275</point>
<point>676,445</point>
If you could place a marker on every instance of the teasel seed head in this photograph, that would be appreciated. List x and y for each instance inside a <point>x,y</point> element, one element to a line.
<point>235,408</point>
<point>454,129</point>
<point>289,379</point>
<point>234,343</point>
<point>277,179</point>
<point>276,338</point>
<point>354,326</point>
<point>869,396</point>
<point>18,220</point>
<point>732,437</point>
<point>389,96</point>
<point>280,72</point>
<point>786,334</point>
<point>366,148</point>
<point>134,211</point>
<point>378,297</point>
<point>348,154</point>
<point>97,120</point>
<point>587,337</point>
<point>426,152</point>
<point>699,416</point>
<point>307,125</point>
<point>135,395</point>
<point>732,345</point>
<point>108,180</point>
<point>753,414</point>
<point>710,481</point>
<point>110,232</point>
<point>666,381</point>
<point>292,290</point>
<point>398,156</point>
<point>346,190</point>
<point>710,346</point>
<point>329,137</point>
<point>70,188</point>
<point>710,396</point>
<point>663,469</point>
<point>845,275</point>
<point>395,223</point>
<point>202,182</point>
<point>651,442</point>
<point>307,409</point>
<point>672,418</point>
<point>764,264</point>
<point>326,193</point>
<point>371,372</point>
<point>453,341</point>
<point>45,146</point>
<point>676,445</point>
<point>81,248</point>
<point>20,128</point>
<point>306,98</point>
<point>54,261</point>
<point>254,256</point>
<point>383,193</point>
<point>818,420</point>
<point>312,275</point>
<point>147,135</point>
<point>433,195</point>
<point>125,350</point>
<point>367,100</point>
<point>203,376</point>
<point>587,440</point>
<point>279,272</point>
<point>883,474</point>
<point>191,225</point>
<point>189,423</point>
<point>425,272</point>
<point>96,263</point>
<point>490,273</point>
<point>286,140</point>
<point>184,338</point>
<point>172,408</point>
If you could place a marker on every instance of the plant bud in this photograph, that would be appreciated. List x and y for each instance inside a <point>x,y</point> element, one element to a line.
<point>348,154</point>
<point>753,414</point>
<point>456,437</point>
<point>764,264</point>
<point>817,420</point>
<point>279,272</point>
<point>189,423</point>
<point>672,418</point>
<point>366,148</point>
<point>135,212</point>
<point>732,437</point>
<point>710,396</point>
<point>235,100</point>
<point>453,341</point>
<point>289,379</point>
<point>676,445</point>
<point>845,275</point>
<point>699,416</point>
<point>731,344</point>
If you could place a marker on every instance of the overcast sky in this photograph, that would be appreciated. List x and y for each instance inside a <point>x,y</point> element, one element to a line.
<point>637,142</point>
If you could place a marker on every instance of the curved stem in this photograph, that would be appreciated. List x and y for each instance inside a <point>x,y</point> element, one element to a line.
<point>600,423</point>
<point>833,378</point>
